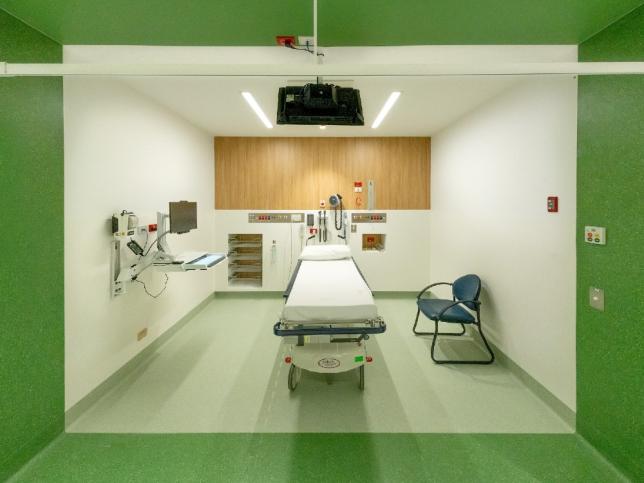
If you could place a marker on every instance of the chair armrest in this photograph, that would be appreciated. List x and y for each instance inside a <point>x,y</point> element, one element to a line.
<point>430,286</point>
<point>475,302</point>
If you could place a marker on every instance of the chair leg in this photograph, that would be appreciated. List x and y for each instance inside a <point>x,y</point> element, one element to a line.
<point>487,346</point>
<point>462,332</point>
<point>431,352</point>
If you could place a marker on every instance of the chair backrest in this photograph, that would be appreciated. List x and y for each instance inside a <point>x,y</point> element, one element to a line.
<point>467,287</point>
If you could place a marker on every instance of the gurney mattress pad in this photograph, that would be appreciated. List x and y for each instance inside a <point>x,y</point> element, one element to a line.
<point>329,291</point>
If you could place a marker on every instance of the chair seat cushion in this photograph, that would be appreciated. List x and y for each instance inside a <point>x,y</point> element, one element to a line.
<point>457,314</point>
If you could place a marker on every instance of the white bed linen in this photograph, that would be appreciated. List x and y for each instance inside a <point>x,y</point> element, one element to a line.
<point>325,252</point>
<point>329,291</point>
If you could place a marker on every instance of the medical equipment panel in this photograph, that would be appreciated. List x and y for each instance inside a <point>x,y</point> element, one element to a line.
<point>275,217</point>
<point>245,259</point>
<point>369,218</point>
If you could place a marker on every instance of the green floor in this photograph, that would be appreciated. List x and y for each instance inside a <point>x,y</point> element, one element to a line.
<point>178,447</point>
<point>224,372</point>
<point>318,457</point>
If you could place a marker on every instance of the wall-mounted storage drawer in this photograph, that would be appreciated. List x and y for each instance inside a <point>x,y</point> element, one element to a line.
<point>245,259</point>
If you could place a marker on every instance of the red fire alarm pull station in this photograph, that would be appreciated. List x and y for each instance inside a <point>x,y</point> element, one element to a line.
<point>553,204</point>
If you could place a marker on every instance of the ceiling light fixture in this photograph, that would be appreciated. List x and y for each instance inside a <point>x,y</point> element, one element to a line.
<point>258,110</point>
<point>385,109</point>
<point>323,127</point>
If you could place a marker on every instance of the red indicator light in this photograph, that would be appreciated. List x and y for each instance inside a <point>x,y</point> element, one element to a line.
<point>288,359</point>
<point>369,359</point>
<point>152,227</point>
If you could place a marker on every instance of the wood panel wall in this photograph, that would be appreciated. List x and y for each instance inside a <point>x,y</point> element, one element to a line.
<point>261,173</point>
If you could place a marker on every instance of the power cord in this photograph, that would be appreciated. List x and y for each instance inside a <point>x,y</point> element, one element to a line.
<point>165,285</point>
<point>305,49</point>
<point>338,227</point>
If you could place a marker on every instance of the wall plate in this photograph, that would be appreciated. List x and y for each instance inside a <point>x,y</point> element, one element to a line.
<point>596,298</point>
<point>303,40</point>
<point>595,235</point>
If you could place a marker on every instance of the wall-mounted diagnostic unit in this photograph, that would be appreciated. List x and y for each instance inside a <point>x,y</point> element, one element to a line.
<point>369,218</point>
<point>182,218</point>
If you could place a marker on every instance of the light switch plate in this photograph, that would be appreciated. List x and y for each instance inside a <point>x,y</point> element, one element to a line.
<point>596,298</point>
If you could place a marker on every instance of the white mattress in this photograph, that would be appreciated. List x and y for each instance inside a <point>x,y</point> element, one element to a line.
<point>329,291</point>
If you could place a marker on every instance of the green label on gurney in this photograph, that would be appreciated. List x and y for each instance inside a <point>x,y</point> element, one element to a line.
<point>359,359</point>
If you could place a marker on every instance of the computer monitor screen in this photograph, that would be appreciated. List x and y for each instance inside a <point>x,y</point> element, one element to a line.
<point>183,216</point>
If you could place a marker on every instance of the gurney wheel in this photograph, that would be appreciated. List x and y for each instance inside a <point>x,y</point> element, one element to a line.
<point>294,374</point>
<point>361,374</point>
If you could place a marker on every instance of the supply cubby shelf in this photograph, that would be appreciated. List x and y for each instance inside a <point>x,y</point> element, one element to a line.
<point>245,262</point>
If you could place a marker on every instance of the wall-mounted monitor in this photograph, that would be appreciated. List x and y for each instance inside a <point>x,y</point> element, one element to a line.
<point>183,216</point>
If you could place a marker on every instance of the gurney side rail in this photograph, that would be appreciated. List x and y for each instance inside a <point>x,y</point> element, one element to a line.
<point>285,329</point>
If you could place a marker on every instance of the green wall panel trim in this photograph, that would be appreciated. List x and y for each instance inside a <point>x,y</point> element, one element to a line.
<point>20,43</point>
<point>341,22</point>
<point>610,396</point>
<point>31,277</point>
<point>623,41</point>
<point>319,457</point>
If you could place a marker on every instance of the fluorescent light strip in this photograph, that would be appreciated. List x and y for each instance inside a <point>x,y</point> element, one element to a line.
<point>258,110</point>
<point>386,108</point>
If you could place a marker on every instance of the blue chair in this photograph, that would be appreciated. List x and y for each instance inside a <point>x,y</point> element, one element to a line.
<point>465,295</point>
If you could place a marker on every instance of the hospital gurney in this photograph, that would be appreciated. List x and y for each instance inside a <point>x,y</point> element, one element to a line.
<point>328,315</point>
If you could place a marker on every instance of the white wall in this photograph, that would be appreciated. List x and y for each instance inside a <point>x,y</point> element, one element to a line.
<point>123,151</point>
<point>402,266</point>
<point>491,174</point>
<point>428,104</point>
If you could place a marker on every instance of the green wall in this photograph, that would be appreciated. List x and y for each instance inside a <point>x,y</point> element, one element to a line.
<point>31,275</point>
<point>610,348</point>
<point>340,22</point>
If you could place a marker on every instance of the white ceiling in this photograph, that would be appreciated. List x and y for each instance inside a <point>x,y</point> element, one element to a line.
<point>426,105</point>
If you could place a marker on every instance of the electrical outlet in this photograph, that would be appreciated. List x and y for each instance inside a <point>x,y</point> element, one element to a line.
<point>304,41</point>
<point>141,333</point>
